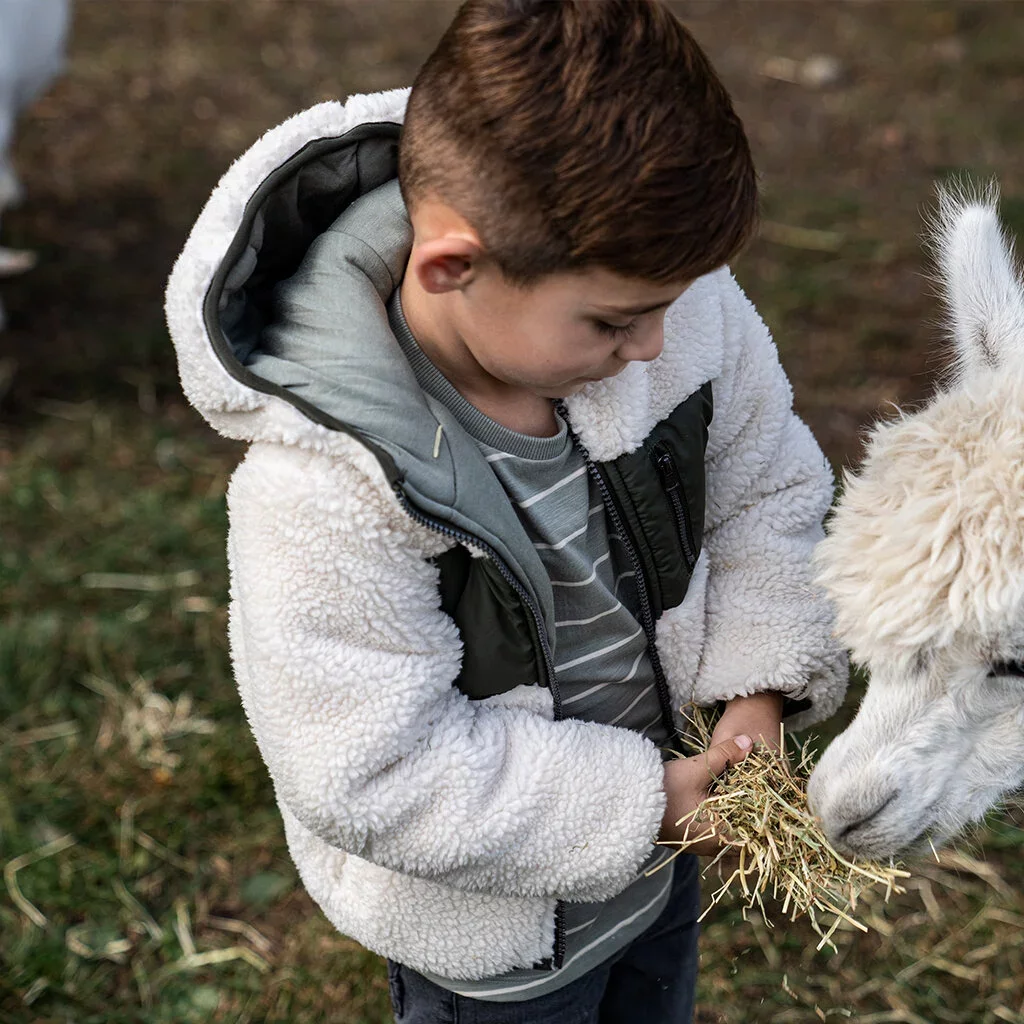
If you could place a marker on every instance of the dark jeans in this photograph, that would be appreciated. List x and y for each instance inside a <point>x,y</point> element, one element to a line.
<point>651,980</point>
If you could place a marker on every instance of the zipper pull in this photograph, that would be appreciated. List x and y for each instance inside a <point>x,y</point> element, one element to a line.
<point>666,467</point>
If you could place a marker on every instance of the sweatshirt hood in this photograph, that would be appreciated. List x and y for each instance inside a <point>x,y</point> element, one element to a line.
<point>253,233</point>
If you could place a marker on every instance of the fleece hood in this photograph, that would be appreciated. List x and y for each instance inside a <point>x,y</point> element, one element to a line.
<point>274,202</point>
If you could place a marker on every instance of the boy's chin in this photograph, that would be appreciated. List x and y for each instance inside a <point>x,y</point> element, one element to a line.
<point>567,390</point>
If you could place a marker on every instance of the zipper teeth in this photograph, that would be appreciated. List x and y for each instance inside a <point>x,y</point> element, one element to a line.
<point>510,577</point>
<point>646,618</point>
<point>467,538</point>
<point>672,488</point>
<point>560,938</point>
<point>684,528</point>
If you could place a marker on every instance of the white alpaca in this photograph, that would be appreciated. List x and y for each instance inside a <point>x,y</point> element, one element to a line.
<point>924,560</point>
<point>32,35</point>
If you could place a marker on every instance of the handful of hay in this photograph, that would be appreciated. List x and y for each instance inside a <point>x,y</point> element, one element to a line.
<point>759,809</point>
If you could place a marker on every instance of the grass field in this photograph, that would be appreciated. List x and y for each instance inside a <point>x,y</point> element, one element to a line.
<point>145,873</point>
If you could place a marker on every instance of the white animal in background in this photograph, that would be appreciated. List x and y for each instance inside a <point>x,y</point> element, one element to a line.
<point>924,560</point>
<point>32,38</point>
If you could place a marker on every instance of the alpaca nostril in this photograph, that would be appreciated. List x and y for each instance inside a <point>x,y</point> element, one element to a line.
<point>868,817</point>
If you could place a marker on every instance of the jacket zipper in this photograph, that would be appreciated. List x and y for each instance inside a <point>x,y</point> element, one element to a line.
<point>673,485</point>
<point>646,617</point>
<point>464,537</point>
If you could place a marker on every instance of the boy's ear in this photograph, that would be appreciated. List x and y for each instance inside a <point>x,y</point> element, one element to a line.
<point>447,263</point>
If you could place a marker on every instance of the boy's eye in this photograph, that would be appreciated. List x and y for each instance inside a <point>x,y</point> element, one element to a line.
<point>615,329</point>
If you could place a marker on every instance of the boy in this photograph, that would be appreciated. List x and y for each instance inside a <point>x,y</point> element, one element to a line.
<point>524,480</point>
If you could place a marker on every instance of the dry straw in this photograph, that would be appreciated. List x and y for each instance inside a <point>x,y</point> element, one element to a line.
<point>758,809</point>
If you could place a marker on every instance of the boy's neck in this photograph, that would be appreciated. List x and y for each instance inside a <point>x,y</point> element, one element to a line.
<point>429,319</point>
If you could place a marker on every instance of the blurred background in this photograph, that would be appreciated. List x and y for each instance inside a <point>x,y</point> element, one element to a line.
<point>145,874</point>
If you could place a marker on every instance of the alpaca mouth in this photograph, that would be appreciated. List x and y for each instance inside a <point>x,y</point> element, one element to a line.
<point>848,830</point>
<point>922,843</point>
<point>879,845</point>
<point>932,835</point>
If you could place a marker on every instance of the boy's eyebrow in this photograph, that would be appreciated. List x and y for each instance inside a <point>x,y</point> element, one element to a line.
<point>635,310</point>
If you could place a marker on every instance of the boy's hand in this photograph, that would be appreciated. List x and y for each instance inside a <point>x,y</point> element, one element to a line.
<point>758,716</point>
<point>746,720</point>
<point>687,781</point>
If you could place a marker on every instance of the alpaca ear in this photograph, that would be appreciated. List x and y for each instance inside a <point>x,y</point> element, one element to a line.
<point>984,294</point>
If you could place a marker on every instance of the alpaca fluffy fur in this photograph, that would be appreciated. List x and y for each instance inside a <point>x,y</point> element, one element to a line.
<point>32,38</point>
<point>926,548</point>
<point>925,564</point>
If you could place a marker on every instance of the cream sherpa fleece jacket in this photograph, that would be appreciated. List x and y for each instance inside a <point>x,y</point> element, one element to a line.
<point>437,830</point>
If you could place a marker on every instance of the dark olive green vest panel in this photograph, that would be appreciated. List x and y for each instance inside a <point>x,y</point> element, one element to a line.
<point>660,492</point>
<point>500,650</point>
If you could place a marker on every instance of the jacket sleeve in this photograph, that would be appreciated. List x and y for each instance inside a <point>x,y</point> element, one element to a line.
<point>768,488</point>
<point>345,664</point>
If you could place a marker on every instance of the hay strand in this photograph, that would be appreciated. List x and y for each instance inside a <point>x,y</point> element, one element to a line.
<point>758,810</point>
<point>12,867</point>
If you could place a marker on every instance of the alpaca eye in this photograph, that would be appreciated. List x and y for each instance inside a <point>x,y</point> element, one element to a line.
<point>1000,669</point>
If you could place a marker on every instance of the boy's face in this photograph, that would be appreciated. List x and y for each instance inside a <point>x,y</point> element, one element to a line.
<point>565,330</point>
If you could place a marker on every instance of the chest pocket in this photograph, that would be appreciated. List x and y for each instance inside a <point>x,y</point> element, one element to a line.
<point>660,492</point>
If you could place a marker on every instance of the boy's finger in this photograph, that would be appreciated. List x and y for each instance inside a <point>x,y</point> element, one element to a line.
<point>718,758</point>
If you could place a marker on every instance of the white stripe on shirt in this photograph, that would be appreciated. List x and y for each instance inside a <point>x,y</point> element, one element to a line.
<point>639,697</point>
<point>619,579</point>
<point>650,725</point>
<point>561,544</point>
<point>554,487</point>
<point>580,927</point>
<point>589,579</point>
<point>597,654</point>
<point>662,857</point>
<point>600,686</point>
<point>593,618</point>
<point>572,536</point>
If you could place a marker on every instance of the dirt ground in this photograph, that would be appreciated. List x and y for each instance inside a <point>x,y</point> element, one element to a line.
<point>854,110</point>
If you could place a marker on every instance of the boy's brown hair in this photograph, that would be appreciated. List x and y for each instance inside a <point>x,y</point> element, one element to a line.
<point>575,133</point>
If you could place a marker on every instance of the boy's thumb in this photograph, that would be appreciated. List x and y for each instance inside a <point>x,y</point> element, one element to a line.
<point>719,757</point>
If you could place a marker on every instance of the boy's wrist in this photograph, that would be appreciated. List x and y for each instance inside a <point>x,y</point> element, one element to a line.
<point>758,715</point>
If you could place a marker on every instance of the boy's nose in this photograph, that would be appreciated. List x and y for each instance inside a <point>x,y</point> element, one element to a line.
<point>645,346</point>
